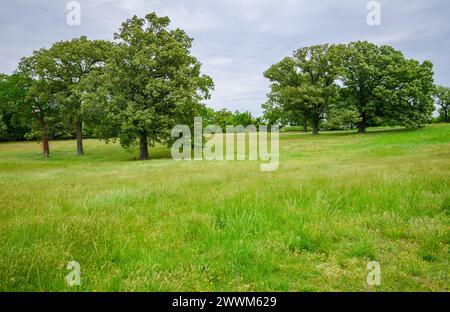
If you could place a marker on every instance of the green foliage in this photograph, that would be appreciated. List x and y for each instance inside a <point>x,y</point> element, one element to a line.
<point>224,118</point>
<point>305,84</point>
<point>69,62</point>
<point>149,84</point>
<point>207,114</point>
<point>14,123</point>
<point>3,127</point>
<point>335,81</point>
<point>244,119</point>
<point>341,118</point>
<point>40,100</point>
<point>380,82</point>
<point>273,113</point>
<point>442,95</point>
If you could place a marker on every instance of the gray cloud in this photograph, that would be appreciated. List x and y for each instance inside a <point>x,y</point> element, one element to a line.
<point>236,40</point>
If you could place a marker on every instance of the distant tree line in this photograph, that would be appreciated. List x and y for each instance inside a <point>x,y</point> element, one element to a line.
<point>136,88</point>
<point>224,117</point>
<point>349,86</point>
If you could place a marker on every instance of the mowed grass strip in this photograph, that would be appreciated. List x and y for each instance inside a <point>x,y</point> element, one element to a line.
<point>337,201</point>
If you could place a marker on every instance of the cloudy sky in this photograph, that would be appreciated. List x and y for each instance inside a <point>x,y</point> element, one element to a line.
<point>237,40</point>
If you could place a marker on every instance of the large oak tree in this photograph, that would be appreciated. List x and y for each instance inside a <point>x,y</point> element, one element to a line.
<point>150,83</point>
<point>381,83</point>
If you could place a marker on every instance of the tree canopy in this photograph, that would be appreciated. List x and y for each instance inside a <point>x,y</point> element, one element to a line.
<point>40,99</point>
<point>14,123</point>
<point>67,63</point>
<point>305,84</point>
<point>355,83</point>
<point>150,83</point>
<point>442,95</point>
<point>381,83</point>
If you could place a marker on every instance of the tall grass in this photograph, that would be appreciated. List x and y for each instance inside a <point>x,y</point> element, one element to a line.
<point>337,201</point>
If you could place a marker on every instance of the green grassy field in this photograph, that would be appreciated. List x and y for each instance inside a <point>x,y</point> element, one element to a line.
<point>337,201</point>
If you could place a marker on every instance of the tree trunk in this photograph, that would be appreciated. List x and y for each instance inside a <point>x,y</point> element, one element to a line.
<point>79,128</point>
<point>143,147</point>
<point>44,138</point>
<point>362,124</point>
<point>316,122</point>
<point>305,124</point>
<point>45,146</point>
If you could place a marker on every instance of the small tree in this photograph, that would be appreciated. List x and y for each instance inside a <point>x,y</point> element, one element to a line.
<point>442,95</point>
<point>222,118</point>
<point>244,119</point>
<point>69,62</point>
<point>273,113</point>
<point>305,84</point>
<point>150,83</point>
<point>39,100</point>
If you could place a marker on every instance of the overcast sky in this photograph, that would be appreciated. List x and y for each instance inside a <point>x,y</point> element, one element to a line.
<point>237,40</point>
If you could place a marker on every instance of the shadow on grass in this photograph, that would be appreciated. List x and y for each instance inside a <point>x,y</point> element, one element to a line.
<point>355,132</point>
<point>66,156</point>
<point>158,154</point>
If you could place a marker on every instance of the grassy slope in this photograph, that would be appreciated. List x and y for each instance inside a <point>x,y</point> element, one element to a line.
<point>336,202</point>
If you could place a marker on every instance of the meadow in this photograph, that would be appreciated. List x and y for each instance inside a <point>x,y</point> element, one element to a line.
<point>338,201</point>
